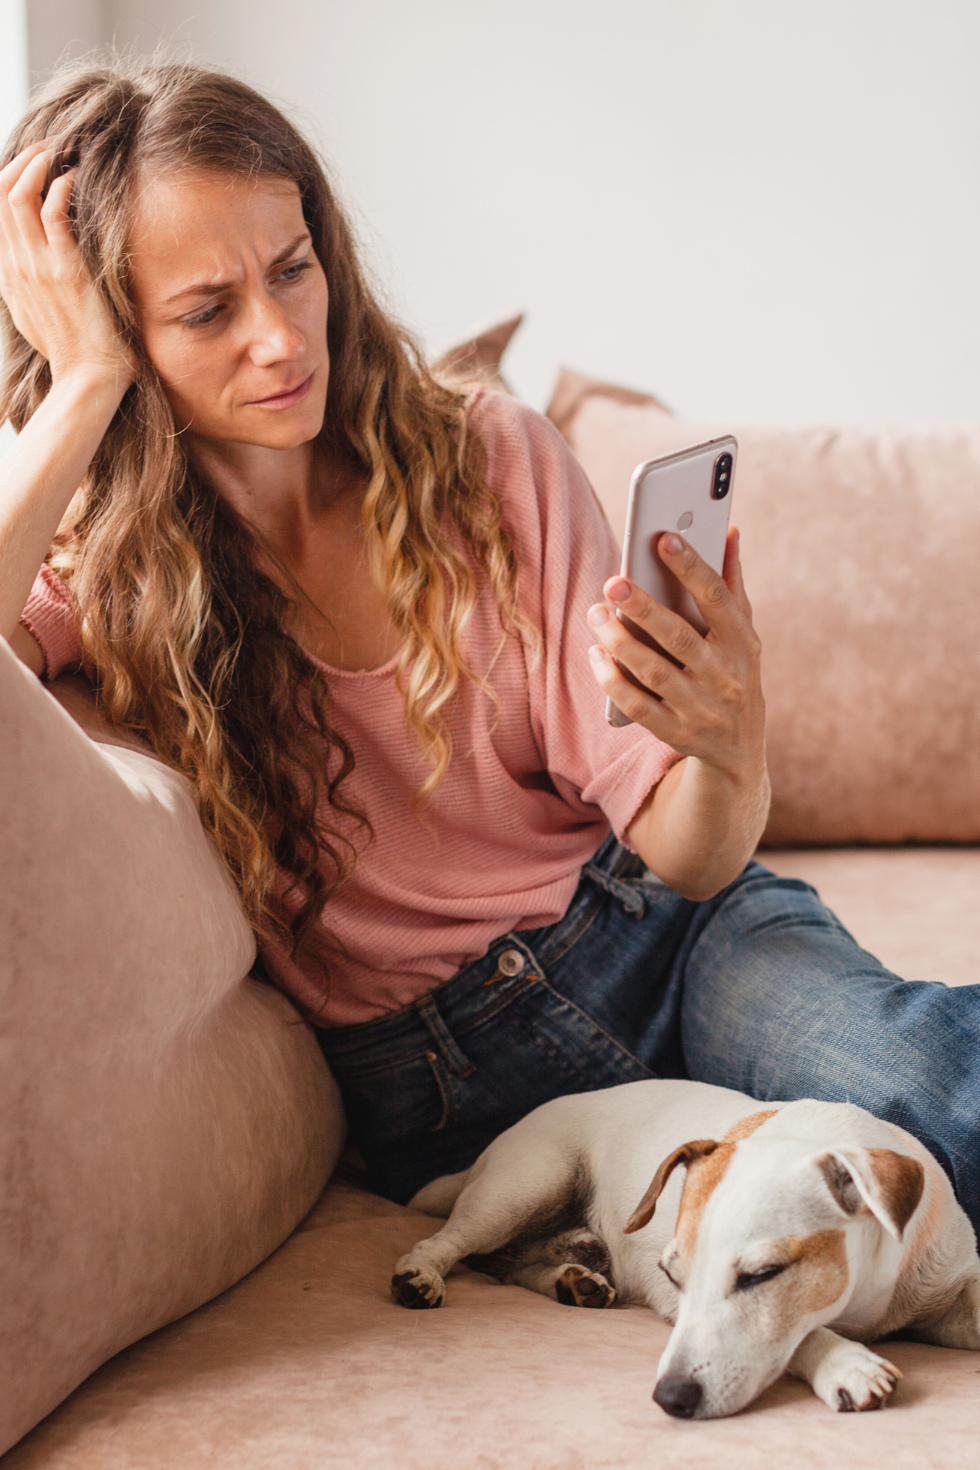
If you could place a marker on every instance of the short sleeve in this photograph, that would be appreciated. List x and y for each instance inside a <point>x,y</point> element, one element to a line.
<point>566,550</point>
<point>51,617</point>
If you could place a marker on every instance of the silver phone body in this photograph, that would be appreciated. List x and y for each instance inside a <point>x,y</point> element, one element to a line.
<point>674,494</point>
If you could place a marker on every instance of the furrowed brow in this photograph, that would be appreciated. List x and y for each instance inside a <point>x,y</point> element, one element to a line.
<point>211,288</point>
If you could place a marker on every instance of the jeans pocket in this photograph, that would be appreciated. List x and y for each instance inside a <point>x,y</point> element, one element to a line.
<point>447,1090</point>
<point>389,1105</point>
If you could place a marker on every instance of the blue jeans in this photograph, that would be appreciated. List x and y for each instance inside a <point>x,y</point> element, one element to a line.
<point>760,989</point>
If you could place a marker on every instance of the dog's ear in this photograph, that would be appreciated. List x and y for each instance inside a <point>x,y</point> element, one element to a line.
<point>887,1183</point>
<point>686,1154</point>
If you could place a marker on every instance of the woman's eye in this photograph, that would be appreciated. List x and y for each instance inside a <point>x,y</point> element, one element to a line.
<point>203,318</point>
<point>293,272</point>
<point>755,1278</point>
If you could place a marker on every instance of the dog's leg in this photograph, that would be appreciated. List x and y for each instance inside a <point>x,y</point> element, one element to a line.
<point>846,1375</point>
<point>572,1268</point>
<point>958,1326</point>
<point>522,1175</point>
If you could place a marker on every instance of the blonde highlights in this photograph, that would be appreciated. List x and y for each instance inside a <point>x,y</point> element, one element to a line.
<point>187,634</point>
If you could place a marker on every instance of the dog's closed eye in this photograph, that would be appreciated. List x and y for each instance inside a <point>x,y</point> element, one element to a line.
<point>747,1279</point>
<point>670,1278</point>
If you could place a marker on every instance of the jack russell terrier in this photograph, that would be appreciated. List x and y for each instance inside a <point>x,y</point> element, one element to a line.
<point>798,1228</point>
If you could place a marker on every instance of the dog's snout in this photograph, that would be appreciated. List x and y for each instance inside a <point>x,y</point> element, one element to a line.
<point>678,1396</point>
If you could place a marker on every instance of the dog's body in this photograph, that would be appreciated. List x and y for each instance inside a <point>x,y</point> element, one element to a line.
<point>806,1216</point>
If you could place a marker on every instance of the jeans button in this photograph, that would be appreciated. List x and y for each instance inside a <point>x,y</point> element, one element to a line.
<point>511,962</point>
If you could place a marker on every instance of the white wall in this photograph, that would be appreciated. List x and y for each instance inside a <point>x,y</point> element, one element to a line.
<point>61,29</point>
<point>758,210</point>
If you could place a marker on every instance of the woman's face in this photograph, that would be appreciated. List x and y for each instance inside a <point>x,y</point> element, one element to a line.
<point>232,303</point>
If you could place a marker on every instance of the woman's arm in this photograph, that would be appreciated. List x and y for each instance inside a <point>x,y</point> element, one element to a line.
<point>701,823</point>
<point>56,307</point>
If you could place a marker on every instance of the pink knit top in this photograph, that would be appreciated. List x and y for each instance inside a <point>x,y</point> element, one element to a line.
<point>536,780</point>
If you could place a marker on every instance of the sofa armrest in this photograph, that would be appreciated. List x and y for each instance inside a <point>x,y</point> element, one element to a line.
<point>167,1119</point>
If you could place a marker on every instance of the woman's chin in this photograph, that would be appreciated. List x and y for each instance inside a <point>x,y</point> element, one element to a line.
<point>285,429</point>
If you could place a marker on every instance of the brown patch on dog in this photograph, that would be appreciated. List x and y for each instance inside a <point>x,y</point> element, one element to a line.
<point>819,1276</point>
<point>699,1186</point>
<point>900,1180</point>
<point>747,1126</point>
<point>703,1180</point>
<point>690,1154</point>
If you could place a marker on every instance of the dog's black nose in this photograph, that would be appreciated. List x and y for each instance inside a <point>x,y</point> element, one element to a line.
<point>678,1396</point>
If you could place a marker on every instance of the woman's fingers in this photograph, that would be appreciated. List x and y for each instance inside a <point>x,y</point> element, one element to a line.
<point>642,707</point>
<point>670,630</point>
<point>12,171</point>
<point>710,591</point>
<point>649,667</point>
<point>55,218</point>
<point>24,199</point>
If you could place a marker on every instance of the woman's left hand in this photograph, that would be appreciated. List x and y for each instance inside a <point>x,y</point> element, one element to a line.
<point>711,707</point>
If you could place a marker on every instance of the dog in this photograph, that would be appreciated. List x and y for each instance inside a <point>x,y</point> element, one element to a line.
<point>777,1238</point>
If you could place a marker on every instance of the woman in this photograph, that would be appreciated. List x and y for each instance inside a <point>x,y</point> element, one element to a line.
<point>357,607</point>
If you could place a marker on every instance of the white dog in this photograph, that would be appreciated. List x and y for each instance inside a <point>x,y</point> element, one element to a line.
<point>804,1217</point>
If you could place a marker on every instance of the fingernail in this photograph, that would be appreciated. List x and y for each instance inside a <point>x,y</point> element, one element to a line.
<point>672,544</point>
<point>598,615</point>
<point>597,654</point>
<point>618,591</point>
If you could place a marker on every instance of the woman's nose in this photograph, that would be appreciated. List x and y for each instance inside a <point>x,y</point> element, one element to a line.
<point>272,336</point>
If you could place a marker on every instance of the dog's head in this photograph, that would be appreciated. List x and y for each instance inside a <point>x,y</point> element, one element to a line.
<point>765,1250</point>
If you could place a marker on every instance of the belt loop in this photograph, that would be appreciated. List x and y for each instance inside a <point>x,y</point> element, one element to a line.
<point>456,1060</point>
<point>631,900</point>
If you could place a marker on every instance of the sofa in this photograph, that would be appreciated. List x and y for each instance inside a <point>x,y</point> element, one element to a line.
<point>191,1278</point>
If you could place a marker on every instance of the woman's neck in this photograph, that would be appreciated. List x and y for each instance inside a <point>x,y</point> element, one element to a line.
<point>306,511</point>
<point>282,493</point>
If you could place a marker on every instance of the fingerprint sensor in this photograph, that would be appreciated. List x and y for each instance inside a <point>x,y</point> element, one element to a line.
<point>685,521</point>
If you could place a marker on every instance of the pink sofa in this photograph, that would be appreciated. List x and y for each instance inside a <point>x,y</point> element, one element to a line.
<point>168,1122</point>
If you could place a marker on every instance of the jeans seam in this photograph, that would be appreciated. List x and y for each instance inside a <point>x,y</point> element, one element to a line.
<point>623,1051</point>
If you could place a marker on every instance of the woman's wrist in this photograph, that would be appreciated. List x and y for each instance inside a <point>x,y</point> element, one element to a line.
<point>93,386</point>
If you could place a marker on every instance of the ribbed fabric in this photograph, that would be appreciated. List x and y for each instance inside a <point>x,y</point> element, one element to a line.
<point>51,617</point>
<point>536,781</point>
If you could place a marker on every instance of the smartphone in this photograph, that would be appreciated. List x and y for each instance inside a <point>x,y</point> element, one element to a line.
<point>689,492</point>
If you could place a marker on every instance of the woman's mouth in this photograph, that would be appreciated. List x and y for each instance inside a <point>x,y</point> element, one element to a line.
<point>287,397</point>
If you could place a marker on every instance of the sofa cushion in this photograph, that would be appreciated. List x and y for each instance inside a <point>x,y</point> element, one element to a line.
<point>308,1365</point>
<point>166,1119</point>
<point>861,551</point>
<point>915,909</point>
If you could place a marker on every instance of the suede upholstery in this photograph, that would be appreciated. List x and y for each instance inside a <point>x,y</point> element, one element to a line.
<point>308,1365</point>
<point>860,552</point>
<point>166,1120</point>
<point>178,1123</point>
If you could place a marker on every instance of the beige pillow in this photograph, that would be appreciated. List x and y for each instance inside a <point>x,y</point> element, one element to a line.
<point>166,1119</point>
<point>478,358</point>
<point>861,551</point>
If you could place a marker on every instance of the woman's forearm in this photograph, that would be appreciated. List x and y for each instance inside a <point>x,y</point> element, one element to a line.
<point>700,825</point>
<point>40,474</point>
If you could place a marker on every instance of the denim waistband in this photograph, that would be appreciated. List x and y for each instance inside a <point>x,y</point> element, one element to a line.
<point>484,986</point>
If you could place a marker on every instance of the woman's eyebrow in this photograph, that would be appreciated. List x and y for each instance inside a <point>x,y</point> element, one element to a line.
<point>211,288</point>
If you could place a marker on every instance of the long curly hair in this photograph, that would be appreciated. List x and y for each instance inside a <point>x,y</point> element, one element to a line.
<point>187,634</point>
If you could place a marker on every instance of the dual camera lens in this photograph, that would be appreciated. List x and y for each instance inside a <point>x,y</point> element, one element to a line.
<point>722,481</point>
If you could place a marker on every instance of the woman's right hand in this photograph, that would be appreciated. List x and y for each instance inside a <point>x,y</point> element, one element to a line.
<point>49,292</point>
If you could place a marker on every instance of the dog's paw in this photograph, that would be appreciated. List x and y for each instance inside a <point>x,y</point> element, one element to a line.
<point>418,1288</point>
<point>579,1287</point>
<point>852,1379</point>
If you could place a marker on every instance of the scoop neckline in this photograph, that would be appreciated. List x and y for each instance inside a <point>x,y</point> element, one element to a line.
<point>381,671</point>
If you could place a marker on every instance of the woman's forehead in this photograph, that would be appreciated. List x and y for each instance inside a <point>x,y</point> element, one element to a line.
<point>202,221</point>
